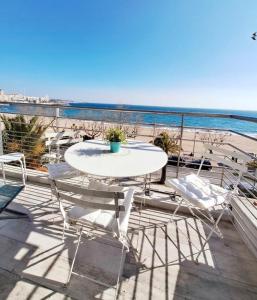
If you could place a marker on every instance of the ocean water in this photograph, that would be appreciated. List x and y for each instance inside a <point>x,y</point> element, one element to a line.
<point>98,111</point>
<point>166,119</point>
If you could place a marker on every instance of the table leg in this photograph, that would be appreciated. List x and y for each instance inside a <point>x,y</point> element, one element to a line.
<point>147,185</point>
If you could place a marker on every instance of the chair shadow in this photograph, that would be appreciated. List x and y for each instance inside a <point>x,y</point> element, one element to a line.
<point>40,265</point>
<point>158,250</point>
<point>165,253</point>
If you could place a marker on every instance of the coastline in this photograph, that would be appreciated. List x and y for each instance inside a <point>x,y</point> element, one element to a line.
<point>192,138</point>
<point>220,119</point>
<point>192,141</point>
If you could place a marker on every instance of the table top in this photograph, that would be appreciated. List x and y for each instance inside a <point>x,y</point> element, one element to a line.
<point>134,159</point>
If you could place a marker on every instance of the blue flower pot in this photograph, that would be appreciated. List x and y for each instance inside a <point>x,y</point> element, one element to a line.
<point>115,147</point>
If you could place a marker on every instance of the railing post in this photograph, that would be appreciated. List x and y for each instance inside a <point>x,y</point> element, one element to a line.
<point>120,117</point>
<point>180,143</point>
<point>154,131</point>
<point>222,176</point>
<point>196,132</point>
<point>57,115</point>
<point>1,140</point>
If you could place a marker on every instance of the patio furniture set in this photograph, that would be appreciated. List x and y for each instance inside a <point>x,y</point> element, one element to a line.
<point>105,208</point>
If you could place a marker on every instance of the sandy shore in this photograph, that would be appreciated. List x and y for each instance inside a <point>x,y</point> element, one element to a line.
<point>192,140</point>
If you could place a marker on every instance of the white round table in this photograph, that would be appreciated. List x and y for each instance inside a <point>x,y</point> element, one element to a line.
<point>134,159</point>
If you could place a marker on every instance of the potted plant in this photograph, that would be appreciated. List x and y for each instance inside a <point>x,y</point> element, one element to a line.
<point>115,136</point>
<point>169,145</point>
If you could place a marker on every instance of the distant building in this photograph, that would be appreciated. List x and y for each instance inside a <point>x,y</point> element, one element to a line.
<point>22,98</point>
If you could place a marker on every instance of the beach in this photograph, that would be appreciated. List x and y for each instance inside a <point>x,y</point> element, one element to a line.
<point>192,139</point>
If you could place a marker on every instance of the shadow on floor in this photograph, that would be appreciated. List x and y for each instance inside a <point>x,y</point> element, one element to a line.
<point>34,261</point>
<point>34,254</point>
<point>170,271</point>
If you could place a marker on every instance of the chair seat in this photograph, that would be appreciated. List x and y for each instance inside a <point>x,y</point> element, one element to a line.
<point>51,155</point>
<point>6,158</point>
<point>104,218</point>
<point>61,171</point>
<point>198,192</point>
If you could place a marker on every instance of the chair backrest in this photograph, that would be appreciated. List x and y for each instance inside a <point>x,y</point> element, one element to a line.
<point>61,170</point>
<point>72,193</point>
<point>235,160</point>
<point>61,138</point>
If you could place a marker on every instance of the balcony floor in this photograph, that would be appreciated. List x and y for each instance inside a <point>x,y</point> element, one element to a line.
<point>34,261</point>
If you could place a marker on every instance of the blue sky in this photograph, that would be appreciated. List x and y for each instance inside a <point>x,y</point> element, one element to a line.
<point>194,53</point>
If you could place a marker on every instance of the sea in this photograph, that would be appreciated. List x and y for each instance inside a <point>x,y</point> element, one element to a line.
<point>101,111</point>
<point>175,120</point>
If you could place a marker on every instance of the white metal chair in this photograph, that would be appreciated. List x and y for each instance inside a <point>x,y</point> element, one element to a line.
<point>9,191</point>
<point>56,140</point>
<point>201,197</point>
<point>14,157</point>
<point>59,171</point>
<point>101,207</point>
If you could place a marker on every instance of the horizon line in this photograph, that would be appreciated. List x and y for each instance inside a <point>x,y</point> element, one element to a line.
<point>163,106</point>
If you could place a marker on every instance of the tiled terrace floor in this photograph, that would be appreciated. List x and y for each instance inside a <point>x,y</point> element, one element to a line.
<point>34,261</point>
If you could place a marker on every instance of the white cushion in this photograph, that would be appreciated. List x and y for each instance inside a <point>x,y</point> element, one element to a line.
<point>199,192</point>
<point>61,171</point>
<point>105,218</point>
<point>89,214</point>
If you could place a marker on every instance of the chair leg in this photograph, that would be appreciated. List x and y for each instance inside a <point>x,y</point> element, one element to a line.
<point>83,179</point>
<point>139,211</point>
<point>217,230</point>
<point>211,232</point>
<point>22,172</point>
<point>172,220</point>
<point>24,169</point>
<point>175,211</point>
<point>52,201</point>
<point>75,255</point>
<point>24,166</point>
<point>120,271</point>
<point>63,230</point>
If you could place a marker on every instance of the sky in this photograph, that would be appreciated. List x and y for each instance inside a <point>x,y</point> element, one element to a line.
<point>185,53</point>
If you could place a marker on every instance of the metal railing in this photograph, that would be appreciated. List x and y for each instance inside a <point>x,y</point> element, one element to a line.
<point>69,124</point>
<point>131,120</point>
<point>66,125</point>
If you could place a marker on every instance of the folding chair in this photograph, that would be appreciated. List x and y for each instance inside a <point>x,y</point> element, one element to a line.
<point>98,208</point>
<point>59,171</point>
<point>8,192</point>
<point>13,157</point>
<point>201,197</point>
